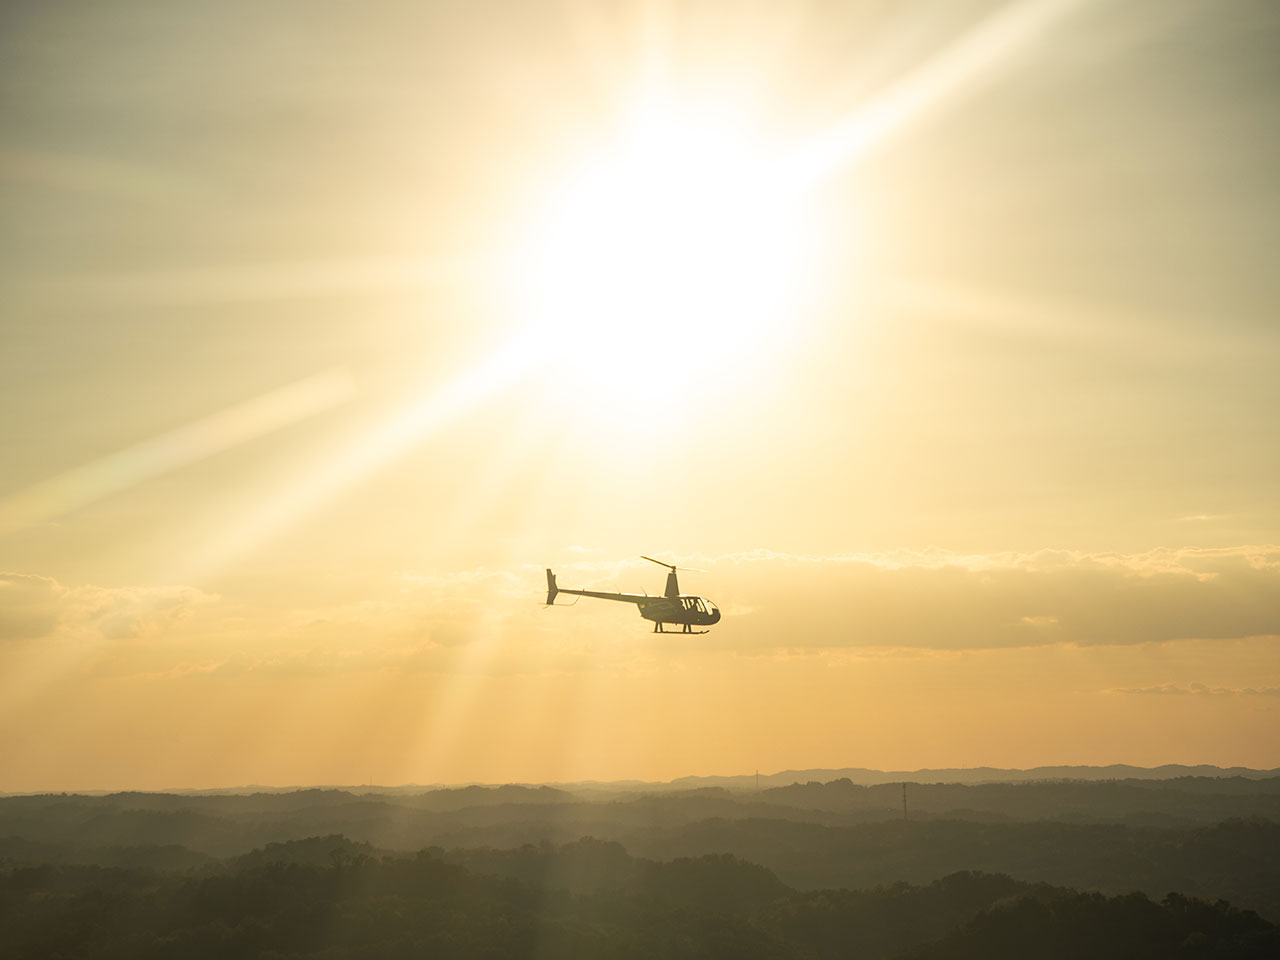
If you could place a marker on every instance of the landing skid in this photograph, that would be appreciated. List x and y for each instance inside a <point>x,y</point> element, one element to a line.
<point>657,628</point>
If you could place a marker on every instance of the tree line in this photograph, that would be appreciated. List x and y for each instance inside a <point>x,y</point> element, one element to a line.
<point>332,897</point>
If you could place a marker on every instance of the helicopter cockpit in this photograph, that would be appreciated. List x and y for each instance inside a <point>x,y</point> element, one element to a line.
<point>698,605</point>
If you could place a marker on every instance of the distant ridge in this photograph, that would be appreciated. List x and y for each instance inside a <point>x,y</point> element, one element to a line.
<point>553,791</point>
<point>973,775</point>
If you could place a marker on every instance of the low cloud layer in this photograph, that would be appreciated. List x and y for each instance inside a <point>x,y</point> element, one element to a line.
<point>36,607</point>
<point>1201,690</point>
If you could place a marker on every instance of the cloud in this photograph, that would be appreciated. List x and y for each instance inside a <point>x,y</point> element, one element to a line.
<point>1200,690</point>
<point>941,600</point>
<point>34,607</point>
<point>129,612</point>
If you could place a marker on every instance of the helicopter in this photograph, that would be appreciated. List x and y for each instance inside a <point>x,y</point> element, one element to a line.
<point>672,607</point>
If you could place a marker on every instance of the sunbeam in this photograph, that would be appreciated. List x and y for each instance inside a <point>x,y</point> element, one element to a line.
<point>316,483</point>
<point>976,56</point>
<point>248,283</point>
<point>196,441</point>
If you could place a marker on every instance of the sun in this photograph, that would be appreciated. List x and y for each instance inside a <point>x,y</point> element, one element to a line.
<point>664,261</point>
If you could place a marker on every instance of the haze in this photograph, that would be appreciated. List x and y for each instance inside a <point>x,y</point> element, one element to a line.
<point>941,337</point>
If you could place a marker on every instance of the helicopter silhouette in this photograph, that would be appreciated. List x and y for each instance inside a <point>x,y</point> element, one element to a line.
<point>672,607</point>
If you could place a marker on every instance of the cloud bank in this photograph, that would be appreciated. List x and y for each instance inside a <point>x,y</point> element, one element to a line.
<point>941,600</point>
<point>1202,690</point>
<point>34,607</point>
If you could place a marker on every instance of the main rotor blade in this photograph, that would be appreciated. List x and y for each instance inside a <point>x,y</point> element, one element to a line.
<point>671,566</point>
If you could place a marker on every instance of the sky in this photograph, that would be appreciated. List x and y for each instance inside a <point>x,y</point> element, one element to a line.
<point>940,338</point>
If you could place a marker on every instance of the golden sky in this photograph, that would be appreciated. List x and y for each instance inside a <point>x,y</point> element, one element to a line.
<point>941,336</point>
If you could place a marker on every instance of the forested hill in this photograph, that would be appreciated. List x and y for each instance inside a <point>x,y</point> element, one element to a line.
<point>586,900</point>
<point>1185,798</point>
<point>1203,837</point>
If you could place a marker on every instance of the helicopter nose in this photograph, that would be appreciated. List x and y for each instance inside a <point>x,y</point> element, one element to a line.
<point>715,616</point>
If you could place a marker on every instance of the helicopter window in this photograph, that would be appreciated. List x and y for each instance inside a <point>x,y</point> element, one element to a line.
<point>698,605</point>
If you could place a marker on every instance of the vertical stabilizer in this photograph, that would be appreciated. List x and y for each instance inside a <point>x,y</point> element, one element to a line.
<point>673,585</point>
<point>552,589</point>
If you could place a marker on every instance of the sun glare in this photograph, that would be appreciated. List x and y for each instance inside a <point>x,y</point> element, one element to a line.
<point>664,260</point>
